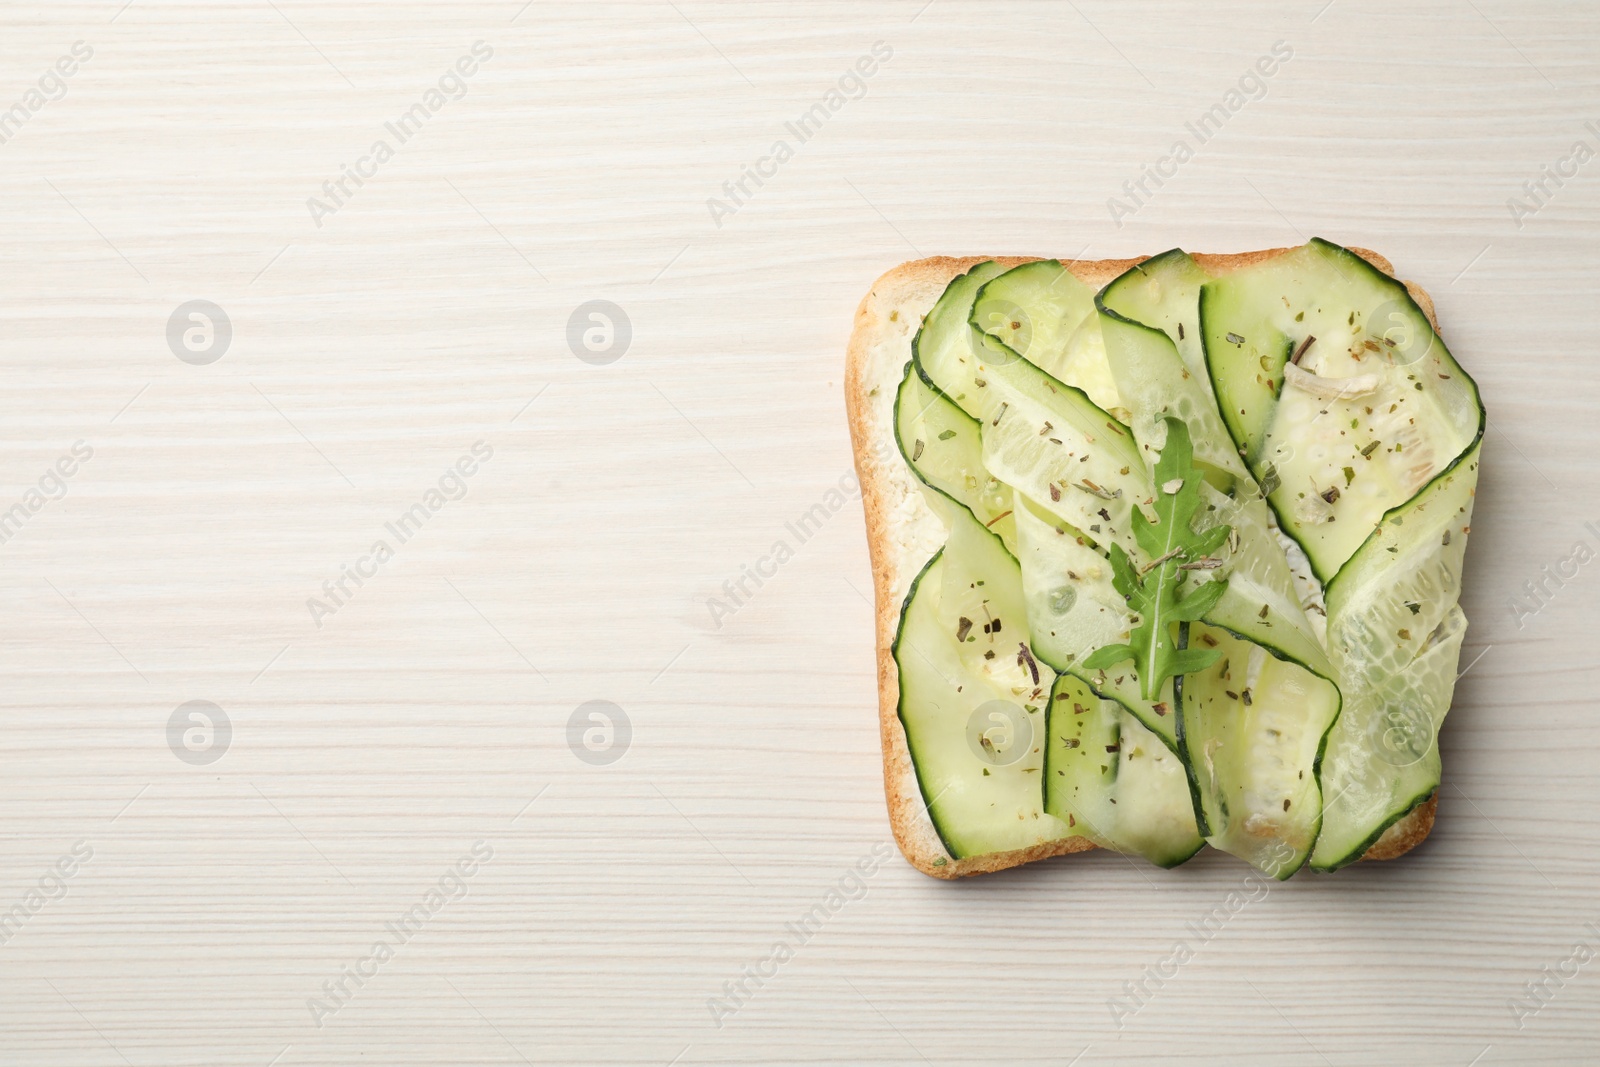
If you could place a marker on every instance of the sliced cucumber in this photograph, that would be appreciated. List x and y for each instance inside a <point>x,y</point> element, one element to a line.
<point>1154,384</point>
<point>1372,411</point>
<point>944,448</point>
<point>1044,313</point>
<point>1051,443</point>
<point>946,349</point>
<point>1040,435</point>
<point>1252,729</point>
<point>971,701</point>
<point>1261,603</point>
<point>1164,292</point>
<point>1036,310</point>
<point>1113,781</point>
<point>1395,633</point>
<point>1074,609</point>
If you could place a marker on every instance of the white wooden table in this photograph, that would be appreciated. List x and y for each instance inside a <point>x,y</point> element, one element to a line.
<point>221,884</point>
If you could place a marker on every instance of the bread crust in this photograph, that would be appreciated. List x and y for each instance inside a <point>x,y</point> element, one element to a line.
<point>880,345</point>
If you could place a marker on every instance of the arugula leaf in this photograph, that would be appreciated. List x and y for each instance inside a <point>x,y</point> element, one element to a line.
<point>1152,591</point>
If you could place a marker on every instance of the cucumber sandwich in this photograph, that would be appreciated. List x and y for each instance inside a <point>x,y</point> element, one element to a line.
<point>1168,554</point>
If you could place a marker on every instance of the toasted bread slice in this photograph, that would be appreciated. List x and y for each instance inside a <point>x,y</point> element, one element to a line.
<point>903,534</point>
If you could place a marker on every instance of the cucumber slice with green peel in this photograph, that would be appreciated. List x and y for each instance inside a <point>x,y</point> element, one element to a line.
<point>971,704</point>
<point>1035,309</point>
<point>1164,292</point>
<point>1074,609</point>
<point>1084,366</point>
<point>1370,412</point>
<point>1261,603</point>
<point>1045,314</point>
<point>1113,781</point>
<point>1252,728</point>
<point>1155,384</point>
<point>1388,762</point>
<point>1395,633</point>
<point>1072,606</point>
<point>1416,553</point>
<point>946,349</point>
<point>1051,443</point>
<point>943,446</point>
<point>1043,437</point>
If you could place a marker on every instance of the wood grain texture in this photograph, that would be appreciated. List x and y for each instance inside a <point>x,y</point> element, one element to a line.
<point>430,312</point>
